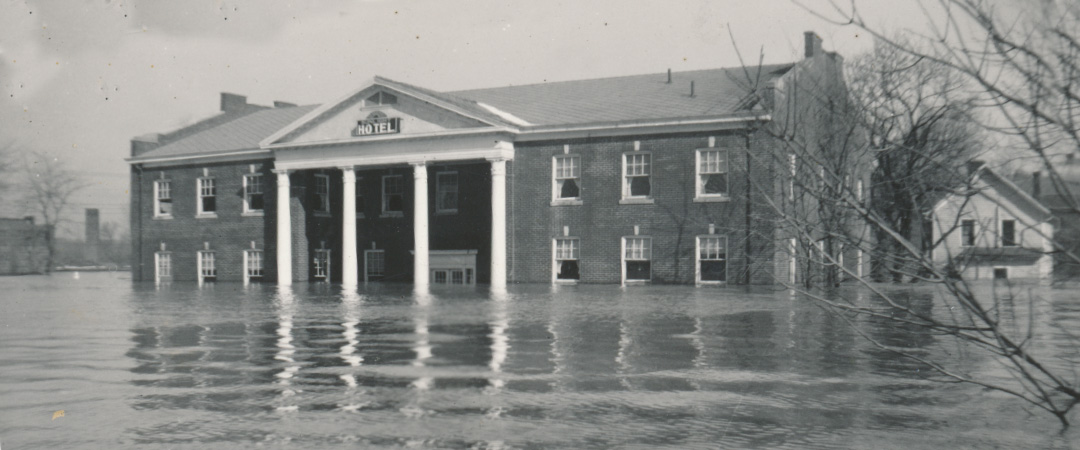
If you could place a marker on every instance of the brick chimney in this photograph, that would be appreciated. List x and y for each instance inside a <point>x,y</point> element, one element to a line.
<point>281,104</point>
<point>232,102</point>
<point>973,166</point>
<point>813,44</point>
<point>145,143</point>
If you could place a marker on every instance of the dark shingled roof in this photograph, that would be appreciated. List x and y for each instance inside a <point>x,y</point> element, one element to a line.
<point>628,98</point>
<point>718,92</point>
<point>242,133</point>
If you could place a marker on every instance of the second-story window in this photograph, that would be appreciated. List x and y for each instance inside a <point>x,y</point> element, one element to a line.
<point>1008,233</point>
<point>567,178</point>
<point>207,196</point>
<point>253,192</point>
<point>446,192</point>
<point>322,193</point>
<point>162,198</point>
<point>637,170</point>
<point>967,233</point>
<point>393,195</point>
<point>712,173</point>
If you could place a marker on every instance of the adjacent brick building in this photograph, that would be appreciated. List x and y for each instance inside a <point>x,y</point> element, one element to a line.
<point>664,178</point>
<point>23,246</point>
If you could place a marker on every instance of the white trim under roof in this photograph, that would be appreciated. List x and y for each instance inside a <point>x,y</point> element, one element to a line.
<point>505,115</point>
<point>236,155</point>
<point>376,81</point>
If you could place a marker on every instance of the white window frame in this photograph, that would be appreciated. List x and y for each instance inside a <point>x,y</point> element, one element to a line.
<point>162,260</point>
<point>322,199</point>
<point>249,184</point>
<point>558,176</point>
<point>158,184</point>
<point>254,265</point>
<point>626,177</point>
<point>439,190</point>
<point>368,254</point>
<point>640,255</point>
<point>386,198</point>
<point>206,264</point>
<point>205,187</point>
<point>558,255</point>
<point>698,248</point>
<point>722,160</point>
<point>319,271</point>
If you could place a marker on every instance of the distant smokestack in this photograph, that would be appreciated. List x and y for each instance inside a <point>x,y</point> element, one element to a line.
<point>669,76</point>
<point>691,88</point>
<point>1036,188</point>
<point>93,234</point>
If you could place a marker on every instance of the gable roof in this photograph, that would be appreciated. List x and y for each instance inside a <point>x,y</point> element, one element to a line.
<point>634,98</point>
<point>1005,187</point>
<point>242,133</point>
<point>628,98</point>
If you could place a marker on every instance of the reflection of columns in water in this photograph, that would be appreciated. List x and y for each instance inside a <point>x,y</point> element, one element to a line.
<point>557,358</point>
<point>423,343</point>
<point>286,350</point>
<point>351,304</point>
<point>500,342</point>
<point>625,341</point>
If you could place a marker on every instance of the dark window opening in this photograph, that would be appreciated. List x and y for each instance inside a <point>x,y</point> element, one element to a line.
<point>1008,233</point>
<point>639,270</point>
<point>1001,274</point>
<point>569,189</point>
<point>639,186</point>
<point>209,204</point>
<point>968,230</point>
<point>568,270</point>
<point>716,184</point>
<point>256,202</point>
<point>713,270</point>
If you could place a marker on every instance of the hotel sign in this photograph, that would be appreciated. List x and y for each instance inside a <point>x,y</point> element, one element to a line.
<point>374,126</point>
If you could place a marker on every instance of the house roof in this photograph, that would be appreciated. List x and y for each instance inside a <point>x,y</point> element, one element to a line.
<point>1011,191</point>
<point>241,133</point>
<point>628,98</point>
<point>717,92</point>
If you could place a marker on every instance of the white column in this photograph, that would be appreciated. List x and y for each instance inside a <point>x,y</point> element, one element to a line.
<point>498,223</point>
<point>420,226</point>
<point>348,239</point>
<point>284,230</point>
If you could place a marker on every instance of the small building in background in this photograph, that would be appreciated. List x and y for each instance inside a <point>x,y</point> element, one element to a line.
<point>991,229</point>
<point>23,246</point>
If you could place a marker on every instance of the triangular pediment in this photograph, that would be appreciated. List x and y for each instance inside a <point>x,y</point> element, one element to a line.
<point>378,110</point>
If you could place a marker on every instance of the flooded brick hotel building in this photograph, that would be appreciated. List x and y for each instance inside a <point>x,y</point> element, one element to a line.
<point>645,178</point>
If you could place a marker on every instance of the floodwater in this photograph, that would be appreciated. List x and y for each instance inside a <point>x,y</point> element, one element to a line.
<point>131,365</point>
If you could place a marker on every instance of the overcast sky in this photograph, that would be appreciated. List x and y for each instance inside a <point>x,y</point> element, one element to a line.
<point>80,78</point>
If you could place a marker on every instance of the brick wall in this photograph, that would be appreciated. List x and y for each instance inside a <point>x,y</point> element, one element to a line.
<point>229,234</point>
<point>673,221</point>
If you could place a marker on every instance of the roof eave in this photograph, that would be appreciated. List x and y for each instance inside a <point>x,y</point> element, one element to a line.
<point>622,128</point>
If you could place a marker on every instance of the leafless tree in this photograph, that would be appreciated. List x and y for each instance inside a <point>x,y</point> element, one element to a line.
<point>50,185</point>
<point>1018,63</point>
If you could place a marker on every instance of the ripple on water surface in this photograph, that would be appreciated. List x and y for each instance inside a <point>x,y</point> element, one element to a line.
<point>575,367</point>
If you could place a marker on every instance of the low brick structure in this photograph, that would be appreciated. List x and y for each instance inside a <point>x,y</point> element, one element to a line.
<point>23,246</point>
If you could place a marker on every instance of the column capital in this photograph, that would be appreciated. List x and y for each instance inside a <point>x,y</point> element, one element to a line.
<point>348,174</point>
<point>419,170</point>
<point>281,171</point>
<point>498,166</point>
